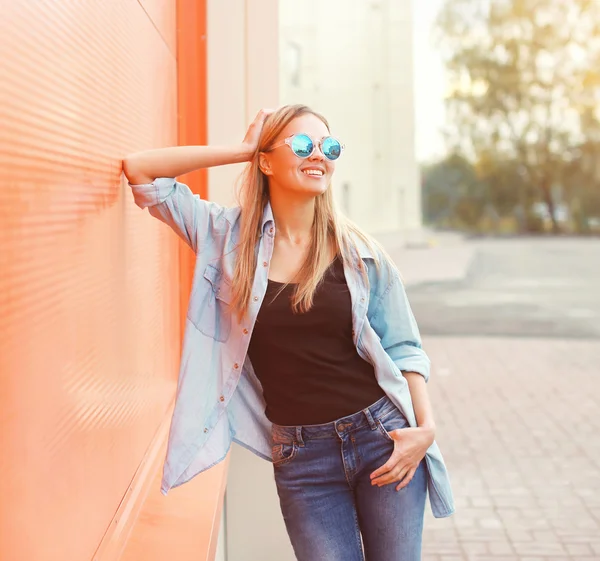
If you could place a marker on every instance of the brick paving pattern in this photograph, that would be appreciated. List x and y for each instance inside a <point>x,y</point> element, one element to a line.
<point>519,425</point>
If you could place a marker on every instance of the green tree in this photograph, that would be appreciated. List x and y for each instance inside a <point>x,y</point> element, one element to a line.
<point>452,193</point>
<point>507,189</point>
<point>524,80</point>
<point>582,174</point>
<point>459,193</point>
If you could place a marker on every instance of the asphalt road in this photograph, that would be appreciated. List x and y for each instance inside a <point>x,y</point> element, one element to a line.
<point>522,287</point>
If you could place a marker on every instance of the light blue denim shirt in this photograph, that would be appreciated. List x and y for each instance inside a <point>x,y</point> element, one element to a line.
<point>219,398</point>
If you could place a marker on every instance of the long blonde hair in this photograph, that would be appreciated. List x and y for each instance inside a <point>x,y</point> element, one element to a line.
<point>330,227</point>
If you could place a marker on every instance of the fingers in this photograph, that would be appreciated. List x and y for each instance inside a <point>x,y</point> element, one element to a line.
<point>385,468</point>
<point>263,114</point>
<point>407,479</point>
<point>255,129</point>
<point>397,473</point>
<point>257,125</point>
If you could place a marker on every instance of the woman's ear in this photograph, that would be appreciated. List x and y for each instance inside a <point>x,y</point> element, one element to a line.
<point>264,164</point>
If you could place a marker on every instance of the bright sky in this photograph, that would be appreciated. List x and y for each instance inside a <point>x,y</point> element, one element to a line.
<point>429,82</point>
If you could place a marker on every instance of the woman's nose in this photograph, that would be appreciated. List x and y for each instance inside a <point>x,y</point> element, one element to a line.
<point>317,153</point>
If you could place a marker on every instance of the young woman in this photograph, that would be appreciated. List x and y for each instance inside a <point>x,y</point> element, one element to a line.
<point>300,345</point>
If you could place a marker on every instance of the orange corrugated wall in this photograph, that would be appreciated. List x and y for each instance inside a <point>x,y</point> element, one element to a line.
<point>89,284</point>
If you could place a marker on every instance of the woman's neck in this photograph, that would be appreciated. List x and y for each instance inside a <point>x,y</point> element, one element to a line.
<point>294,218</point>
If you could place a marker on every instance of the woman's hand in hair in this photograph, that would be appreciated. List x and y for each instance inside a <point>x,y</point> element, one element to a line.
<point>252,137</point>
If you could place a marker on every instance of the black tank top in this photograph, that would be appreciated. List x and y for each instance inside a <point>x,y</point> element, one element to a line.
<point>307,363</point>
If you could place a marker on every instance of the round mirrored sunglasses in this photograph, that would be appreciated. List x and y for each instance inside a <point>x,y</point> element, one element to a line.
<point>303,146</point>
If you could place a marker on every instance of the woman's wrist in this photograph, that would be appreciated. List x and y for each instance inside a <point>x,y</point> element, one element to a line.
<point>428,427</point>
<point>244,152</point>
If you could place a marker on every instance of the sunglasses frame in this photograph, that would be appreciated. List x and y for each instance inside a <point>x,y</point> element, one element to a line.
<point>318,143</point>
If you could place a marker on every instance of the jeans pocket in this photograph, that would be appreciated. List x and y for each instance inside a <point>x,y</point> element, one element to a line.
<point>390,422</point>
<point>283,453</point>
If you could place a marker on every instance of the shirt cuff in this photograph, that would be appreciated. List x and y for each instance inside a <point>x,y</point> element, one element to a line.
<point>151,194</point>
<point>414,364</point>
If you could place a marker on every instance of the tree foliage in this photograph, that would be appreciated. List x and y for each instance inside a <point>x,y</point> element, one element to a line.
<point>459,193</point>
<point>525,92</point>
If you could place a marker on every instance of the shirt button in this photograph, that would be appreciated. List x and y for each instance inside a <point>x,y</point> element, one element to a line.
<point>245,332</point>
<point>236,365</point>
<point>205,431</point>
<point>362,299</point>
<point>222,398</point>
<point>271,230</point>
<point>265,263</point>
<point>255,298</point>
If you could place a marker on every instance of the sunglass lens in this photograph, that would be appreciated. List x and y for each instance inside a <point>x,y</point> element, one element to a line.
<point>331,148</point>
<point>302,145</point>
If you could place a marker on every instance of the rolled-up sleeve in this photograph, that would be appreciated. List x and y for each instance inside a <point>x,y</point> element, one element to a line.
<point>396,326</point>
<point>192,218</point>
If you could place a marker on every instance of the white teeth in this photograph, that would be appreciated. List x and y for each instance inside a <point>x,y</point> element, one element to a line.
<point>313,172</point>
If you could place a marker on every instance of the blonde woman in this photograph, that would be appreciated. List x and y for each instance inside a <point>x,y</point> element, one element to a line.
<point>300,345</point>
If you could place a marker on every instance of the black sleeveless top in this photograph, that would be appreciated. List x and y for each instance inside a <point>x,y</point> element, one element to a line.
<point>307,363</point>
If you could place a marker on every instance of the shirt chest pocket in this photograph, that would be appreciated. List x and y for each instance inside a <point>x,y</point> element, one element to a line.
<point>209,305</point>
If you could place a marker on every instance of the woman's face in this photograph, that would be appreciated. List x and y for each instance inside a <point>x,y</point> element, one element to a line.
<point>286,171</point>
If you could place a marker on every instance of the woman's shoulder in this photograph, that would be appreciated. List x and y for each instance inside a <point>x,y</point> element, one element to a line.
<point>380,267</point>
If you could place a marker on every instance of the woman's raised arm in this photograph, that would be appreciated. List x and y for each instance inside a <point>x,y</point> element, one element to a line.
<point>145,167</point>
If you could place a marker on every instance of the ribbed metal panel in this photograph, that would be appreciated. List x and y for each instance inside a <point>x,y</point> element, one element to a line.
<point>89,324</point>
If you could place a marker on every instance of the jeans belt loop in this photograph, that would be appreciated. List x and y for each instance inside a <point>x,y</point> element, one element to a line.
<point>369,417</point>
<point>299,438</point>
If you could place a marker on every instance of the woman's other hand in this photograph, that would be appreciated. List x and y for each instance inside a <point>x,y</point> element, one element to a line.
<point>410,446</point>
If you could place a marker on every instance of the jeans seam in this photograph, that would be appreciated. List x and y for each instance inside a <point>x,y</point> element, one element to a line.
<point>357,533</point>
<point>383,431</point>
<point>344,463</point>
<point>384,417</point>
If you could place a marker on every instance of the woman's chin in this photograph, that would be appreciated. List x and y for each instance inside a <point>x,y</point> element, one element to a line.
<point>314,187</point>
<point>308,188</point>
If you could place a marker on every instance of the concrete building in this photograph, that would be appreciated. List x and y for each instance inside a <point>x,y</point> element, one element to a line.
<point>352,61</point>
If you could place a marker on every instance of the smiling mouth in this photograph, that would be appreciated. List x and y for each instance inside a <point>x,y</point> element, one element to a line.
<point>313,172</point>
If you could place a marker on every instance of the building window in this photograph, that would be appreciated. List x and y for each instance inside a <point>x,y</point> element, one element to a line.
<point>346,198</point>
<point>294,56</point>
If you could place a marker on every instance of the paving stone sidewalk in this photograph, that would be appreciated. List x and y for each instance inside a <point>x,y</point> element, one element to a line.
<point>519,426</point>
<point>440,257</point>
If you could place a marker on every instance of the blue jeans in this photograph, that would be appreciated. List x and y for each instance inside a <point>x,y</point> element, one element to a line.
<point>331,510</point>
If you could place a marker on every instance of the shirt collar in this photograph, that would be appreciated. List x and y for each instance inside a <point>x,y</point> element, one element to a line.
<point>363,250</point>
<point>267,218</point>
